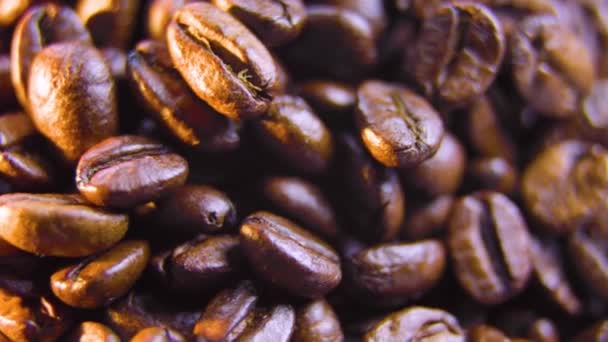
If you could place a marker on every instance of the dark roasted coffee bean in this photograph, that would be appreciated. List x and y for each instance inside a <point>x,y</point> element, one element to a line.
<point>485,333</point>
<point>550,274</point>
<point>551,67</point>
<point>293,132</point>
<point>595,333</point>
<point>442,173</point>
<point>72,94</point>
<point>98,280</point>
<point>195,209</point>
<point>566,184</point>
<point>274,323</point>
<point>274,22</point>
<point>429,220</point>
<point>398,127</point>
<point>543,330</point>
<point>288,256</point>
<point>416,323</point>
<point>302,201</point>
<point>168,98</point>
<point>31,320</point>
<point>371,195</point>
<point>38,28</point>
<point>400,270</point>
<point>158,334</point>
<point>111,22</point>
<point>317,321</point>
<point>221,60</point>
<point>6,249</point>
<point>485,132</point>
<point>200,266</point>
<point>332,101</point>
<point>7,92</point>
<point>594,113</point>
<point>372,10</point>
<point>494,174</point>
<point>227,314</point>
<point>19,163</point>
<point>159,15</point>
<point>334,42</point>
<point>490,247</point>
<point>128,170</point>
<point>58,225</point>
<point>457,54</point>
<point>92,331</point>
<point>11,11</point>
<point>588,248</point>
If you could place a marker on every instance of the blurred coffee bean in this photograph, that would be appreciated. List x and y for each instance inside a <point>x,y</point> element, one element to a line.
<point>7,92</point>
<point>124,171</point>
<point>168,98</point>
<point>332,101</point>
<point>495,174</point>
<point>58,225</point>
<point>398,127</point>
<point>303,202</point>
<point>292,131</point>
<point>274,22</point>
<point>38,28</point>
<point>485,131</point>
<point>275,323</point>
<point>588,247</point>
<point>483,333</point>
<point>10,11</point>
<point>158,334</point>
<point>221,60</point>
<point>429,220</point>
<point>551,67</point>
<point>372,10</point>
<point>159,15</point>
<point>111,22</point>
<point>595,333</point>
<point>288,256</point>
<point>594,113</point>
<point>73,99</point>
<point>490,247</point>
<point>543,330</point>
<point>98,280</point>
<point>565,185</point>
<point>117,60</point>
<point>92,331</point>
<point>317,321</point>
<point>457,53</point>
<point>416,323</point>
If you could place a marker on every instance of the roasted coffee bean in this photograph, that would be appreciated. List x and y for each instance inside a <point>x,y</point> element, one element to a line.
<point>200,266</point>
<point>372,10</point>
<point>332,101</point>
<point>98,280</point>
<point>588,247</point>
<point>441,174</point>
<point>398,127</point>
<point>158,334</point>
<point>596,333</point>
<point>128,170</point>
<point>429,220</point>
<point>6,249</point>
<point>37,319</point>
<point>551,67</point>
<point>288,256</point>
<point>194,209</point>
<point>543,330</point>
<point>92,331</point>
<point>159,15</point>
<point>293,132</point>
<point>482,333</point>
<point>396,270</point>
<point>565,185</point>
<point>594,112</point>
<point>372,196</point>
<point>7,92</point>
<point>490,247</point>
<point>494,174</point>
<point>58,225</point>
<point>457,54</point>
<point>111,22</point>
<point>221,60</point>
<point>274,22</point>
<point>334,42</point>
<point>174,105</point>
<point>39,27</point>
<point>549,273</point>
<point>227,314</point>
<point>11,11</point>
<point>485,131</point>
<point>19,163</point>
<point>303,202</point>
<point>72,94</point>
<point>416,323</point>
<point>317,321</point>
<point>275,323</point>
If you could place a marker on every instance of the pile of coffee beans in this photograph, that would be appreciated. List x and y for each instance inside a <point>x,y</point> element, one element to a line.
<point>304,170</point>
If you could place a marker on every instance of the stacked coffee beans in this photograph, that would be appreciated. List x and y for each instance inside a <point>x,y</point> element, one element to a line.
<point>304,170</point>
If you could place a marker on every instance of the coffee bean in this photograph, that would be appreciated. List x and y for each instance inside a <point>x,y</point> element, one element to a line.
<point>494,174</point>
<point>485,130</point>
<point>288,256</point>
<point>92,331</point>
<point>111,23</point>
<point>596,333</point>
<point>168,98</point>
<point>39,27</point>
<point>73,99</point>
<point>317,321</point>
<point>271,324</point>
<point>302,201</point>
<point>332,101</point>
<point>416,323</point>
<point>98,280</point>
<point>372,10</point>
<point>221,60</point>
<point>593,114</point>
<point>293,132</point>
<point>159,16</point>
<point>7,92</point>
<point>457,54</point>
<point>490,247</point>
<point>543,330</point>
<point>564,186</point>
<point>58,225</point>
<point>274,22</point>
<point>158,334</point>
<point>11,11</point>
<point>588,247</point>
<point>117,60</point>
<point>398,127</point>
<point>482,332</point>
<point>128,170</point>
